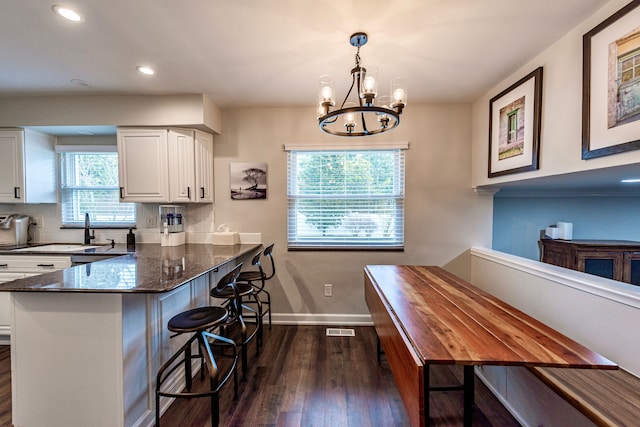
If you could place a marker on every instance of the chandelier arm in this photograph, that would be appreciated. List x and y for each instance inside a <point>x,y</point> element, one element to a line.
<point>364,122</point>
<point>353,81</point>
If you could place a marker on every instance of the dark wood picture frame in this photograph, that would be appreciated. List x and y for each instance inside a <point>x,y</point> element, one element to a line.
<point>532,124</point>
<point>588,102</point>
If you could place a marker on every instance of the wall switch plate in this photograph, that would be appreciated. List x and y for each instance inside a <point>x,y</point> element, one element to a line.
<point>150,222</point>
<point>328,290</point>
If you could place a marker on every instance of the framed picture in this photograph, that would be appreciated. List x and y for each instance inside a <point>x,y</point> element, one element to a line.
<point>248,181</point>
<point>514,126</point>
<point>611,84</point>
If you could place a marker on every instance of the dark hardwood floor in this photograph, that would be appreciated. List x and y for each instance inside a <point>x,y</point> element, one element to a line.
<point>303,378</point>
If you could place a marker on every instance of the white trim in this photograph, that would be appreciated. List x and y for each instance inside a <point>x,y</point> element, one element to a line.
<point>86,148</point>
<point>613,290</point>
<point>327,146</point>
<point>505,402</point>
<point>322,319</point>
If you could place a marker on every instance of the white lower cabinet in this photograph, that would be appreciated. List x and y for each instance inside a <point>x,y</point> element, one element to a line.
<point>13,267</point>
<point>103,351</point>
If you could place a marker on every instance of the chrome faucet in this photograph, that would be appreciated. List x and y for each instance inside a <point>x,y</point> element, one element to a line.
<point>88,236</point>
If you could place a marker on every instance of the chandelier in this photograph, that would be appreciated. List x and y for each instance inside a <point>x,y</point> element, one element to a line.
<point>371,114</point>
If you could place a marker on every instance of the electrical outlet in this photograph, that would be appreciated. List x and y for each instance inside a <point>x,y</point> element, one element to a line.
<point>150,222</point>
<point>39,220</point>
<point>328,290</point>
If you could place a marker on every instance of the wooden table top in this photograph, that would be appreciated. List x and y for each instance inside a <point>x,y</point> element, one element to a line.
<point>450,321</point>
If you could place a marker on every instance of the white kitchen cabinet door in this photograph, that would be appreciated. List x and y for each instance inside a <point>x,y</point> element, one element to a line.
<point>27,167</point>
<point>142,165</point>
<point>204,167</point>
<point>182,188</point>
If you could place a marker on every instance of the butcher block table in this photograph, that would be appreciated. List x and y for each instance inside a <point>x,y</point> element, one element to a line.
<point>424,315</point>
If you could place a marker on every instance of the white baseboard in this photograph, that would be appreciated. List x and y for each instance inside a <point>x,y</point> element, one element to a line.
<point>322,319</point>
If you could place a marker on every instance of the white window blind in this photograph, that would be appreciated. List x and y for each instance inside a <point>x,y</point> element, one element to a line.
<point>89,184</point>
<point>346,199</point>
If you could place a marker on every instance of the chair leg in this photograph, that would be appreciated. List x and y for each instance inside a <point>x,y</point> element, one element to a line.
<point>269,304</point>
<point>157,409</point>
<point>215,408</point>
<point>187,368</point>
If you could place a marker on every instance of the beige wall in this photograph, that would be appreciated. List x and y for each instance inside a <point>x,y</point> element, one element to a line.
<point>561,136</point>
<point>444,216</point>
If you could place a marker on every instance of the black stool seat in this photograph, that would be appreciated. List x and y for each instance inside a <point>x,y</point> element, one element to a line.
<point>197,319</point>
<point>249,276</point>
<point>242,288</point>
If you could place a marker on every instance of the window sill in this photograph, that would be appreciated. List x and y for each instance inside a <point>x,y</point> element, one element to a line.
<point>343,249</point>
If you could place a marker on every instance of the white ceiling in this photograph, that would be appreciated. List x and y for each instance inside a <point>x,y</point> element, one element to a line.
<point>271,52</point>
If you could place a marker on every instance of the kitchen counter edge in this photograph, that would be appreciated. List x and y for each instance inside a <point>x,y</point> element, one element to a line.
<point>147,270</point>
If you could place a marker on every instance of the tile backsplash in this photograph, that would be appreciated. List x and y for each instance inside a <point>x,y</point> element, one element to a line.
<point>198,219</point>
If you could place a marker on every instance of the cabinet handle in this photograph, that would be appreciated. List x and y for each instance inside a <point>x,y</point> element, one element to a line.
<point>4,265</point>
<point>188,192</point>
<point>46,265</point>
<point>16,192</point>
<point>122,192</point>
<point>202,192</point>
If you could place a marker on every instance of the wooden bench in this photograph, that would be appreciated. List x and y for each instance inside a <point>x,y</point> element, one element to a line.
<point>606,397</point>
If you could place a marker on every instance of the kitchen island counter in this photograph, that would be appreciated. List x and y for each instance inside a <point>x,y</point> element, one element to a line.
<point>87,341</point>
<point>150,269</point>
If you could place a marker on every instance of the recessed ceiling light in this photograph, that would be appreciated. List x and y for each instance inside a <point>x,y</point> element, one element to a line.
<point>631,181</point>
<point>146,70</point>
<point>67,13</point>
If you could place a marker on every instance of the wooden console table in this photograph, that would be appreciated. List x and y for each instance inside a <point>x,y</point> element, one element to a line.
<point>614,259</point>
<point>425,315</point>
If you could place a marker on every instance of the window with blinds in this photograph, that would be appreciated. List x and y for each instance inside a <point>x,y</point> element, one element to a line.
<point>89,183</point>
<point>346,199</point>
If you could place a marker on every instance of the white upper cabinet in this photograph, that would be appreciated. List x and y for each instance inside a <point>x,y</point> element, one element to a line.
<point>27,167</point>
<point>166,166</point>
<point>204,167</point>
<point>142,165</point>
<point>181,166</point>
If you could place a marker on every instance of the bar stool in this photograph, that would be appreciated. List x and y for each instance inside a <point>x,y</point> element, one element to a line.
<point>200,321</point>
<point>233,302</point>
<point>251,276</point>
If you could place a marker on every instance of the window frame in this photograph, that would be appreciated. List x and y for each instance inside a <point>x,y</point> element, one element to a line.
<point>394,242</point>
<point>70,150</point>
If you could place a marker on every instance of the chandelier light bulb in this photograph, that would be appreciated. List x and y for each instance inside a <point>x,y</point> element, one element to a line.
<point>369,84</point>
<point>326,93</point>
<point>398,95</point>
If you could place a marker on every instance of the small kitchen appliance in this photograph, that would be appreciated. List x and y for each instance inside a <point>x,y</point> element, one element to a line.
<point>14,229</point>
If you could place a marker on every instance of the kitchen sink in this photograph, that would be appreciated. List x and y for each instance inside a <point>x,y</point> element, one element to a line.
<point>56,247</point>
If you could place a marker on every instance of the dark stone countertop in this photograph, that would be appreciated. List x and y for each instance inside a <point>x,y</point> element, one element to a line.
<point>150,269</point>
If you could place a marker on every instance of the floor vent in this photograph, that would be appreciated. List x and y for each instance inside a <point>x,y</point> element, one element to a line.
<point>335,332</point>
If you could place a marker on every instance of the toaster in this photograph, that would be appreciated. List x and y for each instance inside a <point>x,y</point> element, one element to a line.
<point>14,229</point>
